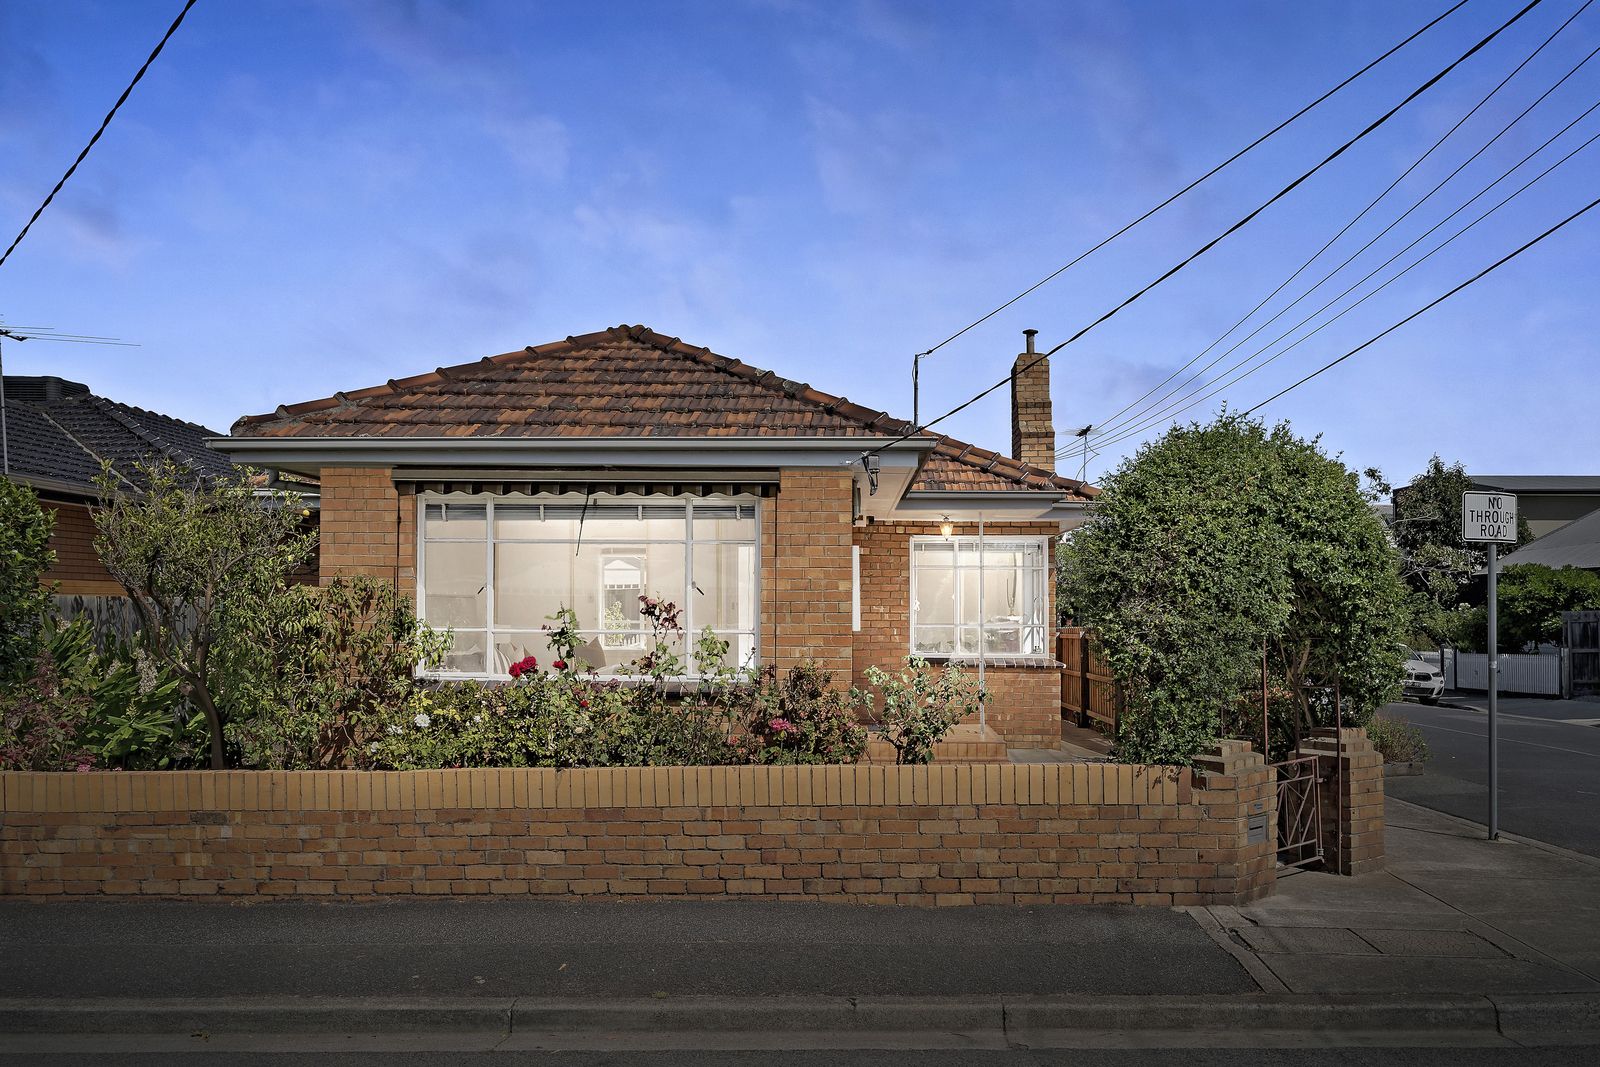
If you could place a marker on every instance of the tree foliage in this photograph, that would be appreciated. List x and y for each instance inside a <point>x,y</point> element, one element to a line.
<point>198,557</point>
<point>1216,545</point>
<point>1435,562</point>
<point>25,556</point>
<point>1532,598</point>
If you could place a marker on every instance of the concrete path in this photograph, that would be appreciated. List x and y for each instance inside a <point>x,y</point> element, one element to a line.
<point>1549,769</point>
<point>1453,913</point>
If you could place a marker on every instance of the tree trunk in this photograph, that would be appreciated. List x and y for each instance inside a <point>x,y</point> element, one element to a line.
<point>202,696</point>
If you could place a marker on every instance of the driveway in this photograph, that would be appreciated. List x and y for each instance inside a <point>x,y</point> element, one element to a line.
<point>1549,768</point>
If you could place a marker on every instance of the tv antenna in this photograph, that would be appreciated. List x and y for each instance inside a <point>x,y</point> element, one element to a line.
<point>37,333</point>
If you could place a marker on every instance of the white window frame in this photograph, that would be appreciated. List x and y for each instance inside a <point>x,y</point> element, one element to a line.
<point>957,625</point>
<point>489,630</point>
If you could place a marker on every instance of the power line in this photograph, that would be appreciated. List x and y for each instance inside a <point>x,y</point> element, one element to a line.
<point>1165,402</point>
<point>1080,257</point>
<point>1426,307</point>
<point>103,124</point>
<point>1203,249</point>
<point>1168,411</point>
<point>1115,419</point>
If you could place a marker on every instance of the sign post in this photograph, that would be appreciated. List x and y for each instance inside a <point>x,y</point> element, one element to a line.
<point>1491,518</point>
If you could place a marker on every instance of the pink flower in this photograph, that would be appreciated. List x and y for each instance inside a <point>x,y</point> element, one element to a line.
<point>782,726</point>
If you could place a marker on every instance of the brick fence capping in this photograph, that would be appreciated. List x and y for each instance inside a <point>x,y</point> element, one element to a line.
<point>939,834</point>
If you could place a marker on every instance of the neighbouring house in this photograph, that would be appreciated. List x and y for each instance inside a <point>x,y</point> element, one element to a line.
<point>57,434</point>
<point>589,472</point>
<point>1576,544</point>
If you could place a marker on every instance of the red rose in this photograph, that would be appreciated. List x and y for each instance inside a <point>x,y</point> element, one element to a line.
<point>524,666</point>
<point>560,664</point>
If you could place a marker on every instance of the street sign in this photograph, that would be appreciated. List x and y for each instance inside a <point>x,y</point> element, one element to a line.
<point>1489,517</point>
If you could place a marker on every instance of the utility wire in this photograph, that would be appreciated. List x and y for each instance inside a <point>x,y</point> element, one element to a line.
<point>1203,249</point>
<point>1428,306</point>
<point>1111,422</point>
<point>1168,411</point>
<point>1164,402</point>
<point>1080,257</point>
<point>103,124</point>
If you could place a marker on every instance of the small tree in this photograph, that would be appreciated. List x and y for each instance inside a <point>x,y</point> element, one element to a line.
<point>1215,545</point>
<point>1435,562</point>
<point>25,556</point>
<point>197,555</point>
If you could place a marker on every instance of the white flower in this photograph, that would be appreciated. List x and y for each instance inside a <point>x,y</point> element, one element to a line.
<point>476,719</point>
<point>422,719</point>
<point>396,731</point>
<point>373,747</point>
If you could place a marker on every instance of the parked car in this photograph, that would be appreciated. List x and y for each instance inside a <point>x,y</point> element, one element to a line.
<point>1423,680</point>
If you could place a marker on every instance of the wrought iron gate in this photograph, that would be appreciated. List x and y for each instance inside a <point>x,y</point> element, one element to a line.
<point>1299,811</point>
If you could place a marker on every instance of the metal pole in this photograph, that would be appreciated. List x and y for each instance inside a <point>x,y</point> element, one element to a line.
<point>1494,691</point>
<point>983,703</point>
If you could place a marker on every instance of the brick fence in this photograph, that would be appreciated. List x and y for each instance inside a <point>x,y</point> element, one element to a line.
<point>957,834</point>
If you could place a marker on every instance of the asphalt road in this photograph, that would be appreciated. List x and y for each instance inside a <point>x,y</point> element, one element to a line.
<point>1549,770</point>
<point>549,948</point>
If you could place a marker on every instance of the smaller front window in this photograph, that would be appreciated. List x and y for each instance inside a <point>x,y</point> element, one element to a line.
<point>969,595</point>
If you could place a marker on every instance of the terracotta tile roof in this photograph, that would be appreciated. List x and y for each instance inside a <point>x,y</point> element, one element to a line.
<point>627,381</point>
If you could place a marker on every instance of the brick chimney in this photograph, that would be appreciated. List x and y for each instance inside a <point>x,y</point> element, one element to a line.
<point>1033,433</point>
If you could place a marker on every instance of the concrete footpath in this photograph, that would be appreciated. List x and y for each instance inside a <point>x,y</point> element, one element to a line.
<point>1461,942</point>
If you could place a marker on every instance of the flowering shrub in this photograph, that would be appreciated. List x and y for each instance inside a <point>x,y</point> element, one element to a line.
<point>920,706</point>
<point>42,723</point>
<point>525,665</point>
<point>801,719</point>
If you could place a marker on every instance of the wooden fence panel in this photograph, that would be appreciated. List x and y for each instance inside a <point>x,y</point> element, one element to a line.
<point>1089,693</point>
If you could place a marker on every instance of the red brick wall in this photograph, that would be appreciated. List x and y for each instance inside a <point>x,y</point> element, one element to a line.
<point>77,570</point>
<point>808,585</point>
<point>1025,702</point>
<point>1350,799</point>
<point>972,834</point>
<point>364,528</point>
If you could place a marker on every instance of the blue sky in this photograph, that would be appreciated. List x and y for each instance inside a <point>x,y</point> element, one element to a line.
<point>305,197</point>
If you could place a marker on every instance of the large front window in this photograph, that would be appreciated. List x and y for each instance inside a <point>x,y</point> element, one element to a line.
<point>968,595</point>
<point>494,570</point>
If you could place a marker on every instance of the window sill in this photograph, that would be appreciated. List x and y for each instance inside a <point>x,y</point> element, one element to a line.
<point>995,661</point>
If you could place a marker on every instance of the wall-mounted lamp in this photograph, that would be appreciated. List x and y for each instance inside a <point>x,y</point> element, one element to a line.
<point>947,528</point>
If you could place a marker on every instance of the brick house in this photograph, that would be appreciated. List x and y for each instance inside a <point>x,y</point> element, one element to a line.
<point>799,526</point>
<point>57,434</point>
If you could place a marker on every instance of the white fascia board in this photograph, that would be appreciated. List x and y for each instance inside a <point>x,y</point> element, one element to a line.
<point>928,505</point>
<point>310,454</point>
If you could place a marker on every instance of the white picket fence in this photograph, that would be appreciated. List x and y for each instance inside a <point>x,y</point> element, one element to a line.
<point>1543,675</point>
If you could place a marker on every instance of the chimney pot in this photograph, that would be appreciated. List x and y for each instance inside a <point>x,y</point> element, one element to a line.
<point>1030,335</point>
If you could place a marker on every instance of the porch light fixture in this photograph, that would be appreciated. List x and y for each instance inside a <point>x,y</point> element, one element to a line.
<point>947,528</point>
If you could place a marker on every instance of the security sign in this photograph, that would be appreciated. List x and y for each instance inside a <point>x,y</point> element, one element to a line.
<point>1489,517</point>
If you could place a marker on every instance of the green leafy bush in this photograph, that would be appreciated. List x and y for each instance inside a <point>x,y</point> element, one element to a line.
<point>1397,740</point>
<point>25,556</point>
<point>921,705</point>
<point>309,672</point>
<point>137,718</point>
<point>1220,543</point>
